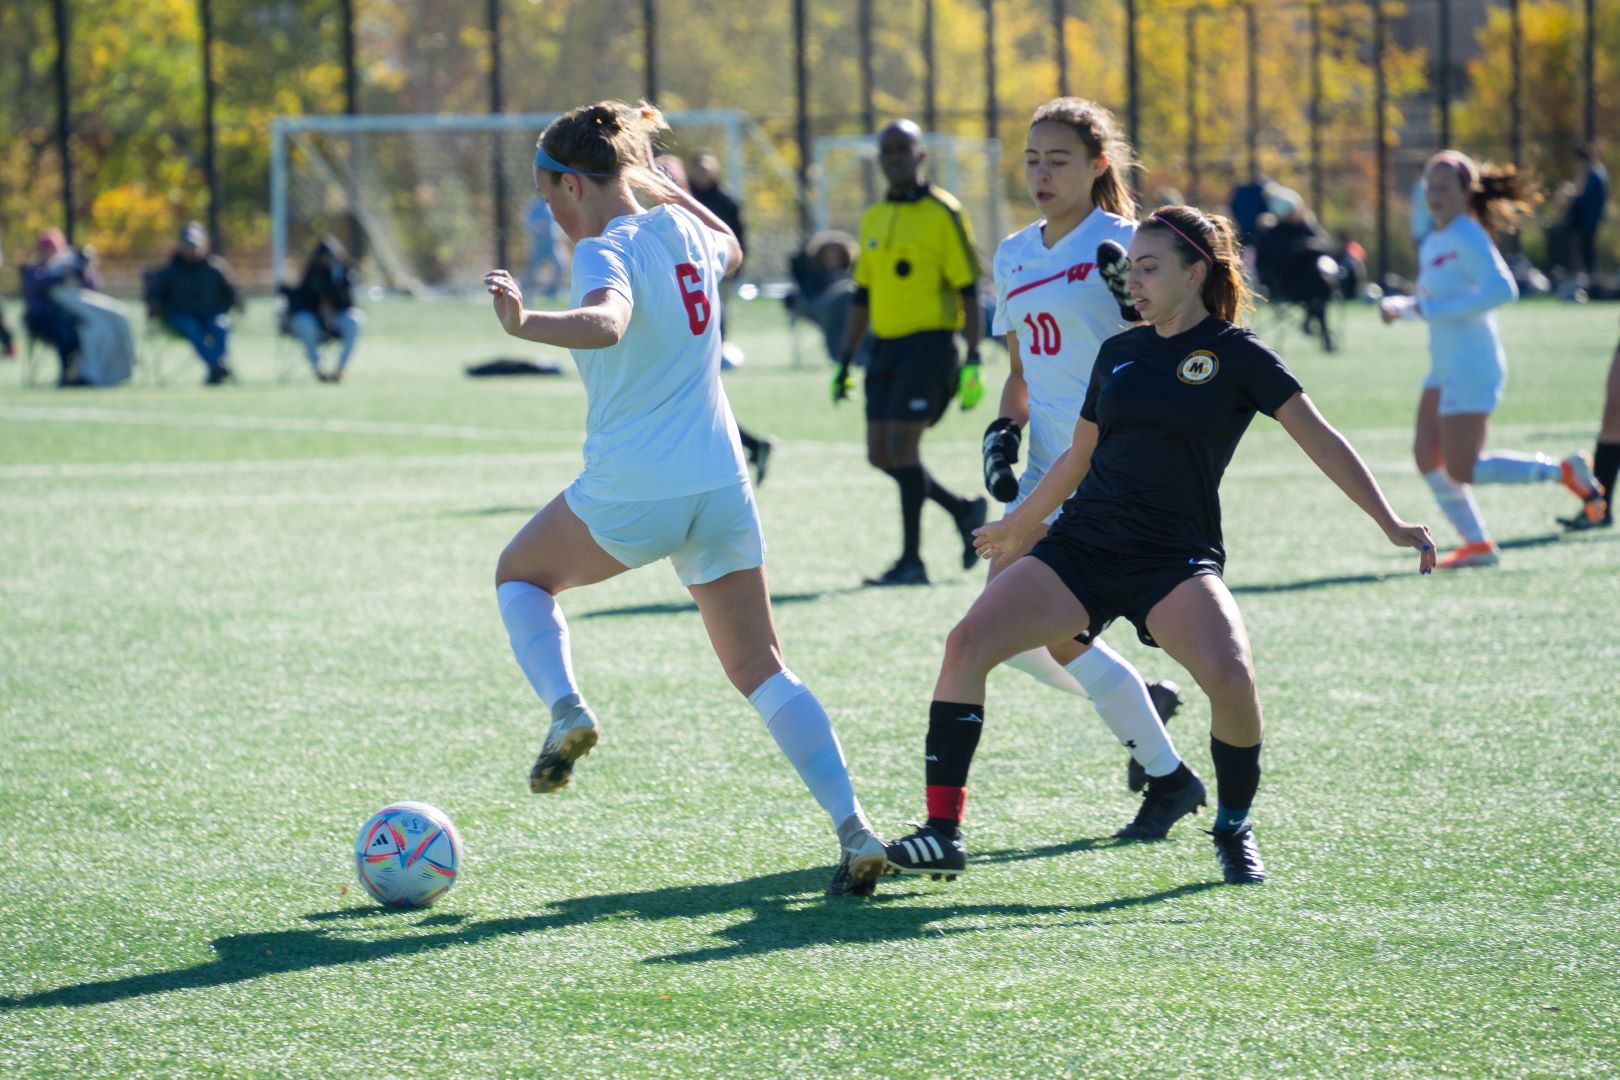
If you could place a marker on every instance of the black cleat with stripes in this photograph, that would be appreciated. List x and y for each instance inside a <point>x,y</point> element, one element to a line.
<point>927,851</point>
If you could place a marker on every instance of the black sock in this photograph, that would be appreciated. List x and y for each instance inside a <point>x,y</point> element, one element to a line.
<point>1606,466</point>
<point>953,503</point>
<point>953,735</point>
<point>913,488</point>
<point>1237,777</point>
<point>750,443</point>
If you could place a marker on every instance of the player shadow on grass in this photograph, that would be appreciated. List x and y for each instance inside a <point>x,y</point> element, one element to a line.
<point>784,911</point>
<point>682,607</point>
<point>1541,540</point>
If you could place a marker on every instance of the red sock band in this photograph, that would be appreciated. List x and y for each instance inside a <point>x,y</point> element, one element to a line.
<point>946,802</point>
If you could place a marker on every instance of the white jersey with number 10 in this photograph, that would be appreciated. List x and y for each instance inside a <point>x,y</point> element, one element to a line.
<point>1057,303</point>
<point>657,422</point>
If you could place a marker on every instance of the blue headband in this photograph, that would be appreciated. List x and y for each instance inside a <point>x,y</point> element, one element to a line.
<point>543,160</point>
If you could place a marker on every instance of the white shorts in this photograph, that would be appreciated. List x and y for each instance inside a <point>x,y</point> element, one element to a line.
<point>1473,387</point>
<point>705,536</point>
<point>1026,484</point>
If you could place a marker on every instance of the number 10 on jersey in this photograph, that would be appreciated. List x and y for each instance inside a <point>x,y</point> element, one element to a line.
<point>1045,339</point>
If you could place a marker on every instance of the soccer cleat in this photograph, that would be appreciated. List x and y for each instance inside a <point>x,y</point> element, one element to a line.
<point>859,870</point>
<point>1482,553</point>
<point>927,851</point>
<point>1239,856</point>
<point>1161,809</point>
<point>970,519</point>
<point>1580,522</point>
<point>573,733</point>
<point>1167,700</point>
<point>901,573</point>
<point>1576,473</point>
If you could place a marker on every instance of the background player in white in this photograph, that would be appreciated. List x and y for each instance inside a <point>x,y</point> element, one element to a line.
<point>1054,309</point>
<point>664,474</point>
<point>1462,280</point>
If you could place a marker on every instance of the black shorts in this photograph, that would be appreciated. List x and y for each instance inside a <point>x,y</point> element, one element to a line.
<point>911,377</point>
<point>1114,583</point>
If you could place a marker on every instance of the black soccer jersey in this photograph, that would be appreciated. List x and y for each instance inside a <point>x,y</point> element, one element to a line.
<point>1169,414</point>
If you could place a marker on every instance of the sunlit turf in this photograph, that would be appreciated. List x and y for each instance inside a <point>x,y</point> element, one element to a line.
<point>233,622</point>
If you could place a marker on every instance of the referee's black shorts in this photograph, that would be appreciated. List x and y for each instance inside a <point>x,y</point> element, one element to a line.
<point>1110,584</point>
<point>912,377</point>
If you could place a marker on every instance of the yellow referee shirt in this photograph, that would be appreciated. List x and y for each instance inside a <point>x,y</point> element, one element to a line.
<point>916,257</point>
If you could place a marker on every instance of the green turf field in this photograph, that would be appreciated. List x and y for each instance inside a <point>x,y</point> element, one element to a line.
<point>235,622</point>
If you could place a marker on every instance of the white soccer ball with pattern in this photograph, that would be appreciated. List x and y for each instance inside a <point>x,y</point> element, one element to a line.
<point>407,854</point>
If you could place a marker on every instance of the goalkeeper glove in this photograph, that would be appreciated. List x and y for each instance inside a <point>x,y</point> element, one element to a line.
<point>970,383</point>
<point>1001,442</point>
<point>842,384</point>
<point>1114,266</point>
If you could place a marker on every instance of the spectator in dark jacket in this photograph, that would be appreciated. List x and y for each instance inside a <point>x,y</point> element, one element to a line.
<point>194,294</point>
<point>322,307</point>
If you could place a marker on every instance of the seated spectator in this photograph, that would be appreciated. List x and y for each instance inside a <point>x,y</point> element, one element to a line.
<point>823,273</point>
<point>322,307</point>
<point>193,294</point>
<point>54,264</point>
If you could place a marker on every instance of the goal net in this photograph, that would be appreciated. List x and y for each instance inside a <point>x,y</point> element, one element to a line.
<point>433,201</point>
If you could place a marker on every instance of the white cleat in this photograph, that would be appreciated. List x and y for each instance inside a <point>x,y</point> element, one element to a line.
<point>573,734</point>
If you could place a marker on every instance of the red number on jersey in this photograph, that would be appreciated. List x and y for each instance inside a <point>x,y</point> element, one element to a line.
<point>1045,338</point>
<point>693,296</point>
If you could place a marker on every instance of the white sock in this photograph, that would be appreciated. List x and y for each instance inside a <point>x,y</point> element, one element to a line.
<point>800,727</point>
<point>539,635</point>
<point>1043,666</point>
<point>1506,467</point>
<point>1122,698</point>
<point>1457,503</point>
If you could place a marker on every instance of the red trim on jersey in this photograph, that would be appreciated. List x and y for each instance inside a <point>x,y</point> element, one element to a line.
<point>1077,272</point>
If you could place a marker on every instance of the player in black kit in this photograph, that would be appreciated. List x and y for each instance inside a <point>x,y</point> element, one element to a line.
<point>1140,533</point>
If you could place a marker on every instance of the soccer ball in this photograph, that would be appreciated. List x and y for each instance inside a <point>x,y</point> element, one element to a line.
<point>407,854</point>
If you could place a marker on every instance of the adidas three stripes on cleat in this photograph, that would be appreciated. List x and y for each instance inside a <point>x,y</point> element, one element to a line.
<point>927,851</point>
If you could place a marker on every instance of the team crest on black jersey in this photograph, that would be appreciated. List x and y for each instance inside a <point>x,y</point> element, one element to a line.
<point>1198,367</point>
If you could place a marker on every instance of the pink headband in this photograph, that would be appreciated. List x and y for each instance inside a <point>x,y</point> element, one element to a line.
<point>1167,223</point>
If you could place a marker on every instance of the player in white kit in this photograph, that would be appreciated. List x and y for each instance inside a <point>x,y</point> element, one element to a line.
<point>1055,309</point>
<point>1462,280</point>
<point>664,475</point>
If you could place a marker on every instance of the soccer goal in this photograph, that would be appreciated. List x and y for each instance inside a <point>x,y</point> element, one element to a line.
<point>434,200</point>
<point>848,180</point>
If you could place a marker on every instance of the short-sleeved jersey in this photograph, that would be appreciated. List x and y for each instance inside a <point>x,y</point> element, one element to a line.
<point>916,257</point>
<point>657,422</point>
<point>1462,280</point>
<point>1058,305</point>
<point>1169,414</point>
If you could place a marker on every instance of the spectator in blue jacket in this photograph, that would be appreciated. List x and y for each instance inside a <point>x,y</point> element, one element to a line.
<point>1591,197</point>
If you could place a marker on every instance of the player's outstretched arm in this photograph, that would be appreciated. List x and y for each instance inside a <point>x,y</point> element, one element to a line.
<point>1334,455</point>
<point>656,183</point>
<point>598,323</point>
<point>1004,537</point>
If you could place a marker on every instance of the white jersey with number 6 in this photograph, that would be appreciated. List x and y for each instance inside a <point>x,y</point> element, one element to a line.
<point>1057,303</point>
<point>657,422</point>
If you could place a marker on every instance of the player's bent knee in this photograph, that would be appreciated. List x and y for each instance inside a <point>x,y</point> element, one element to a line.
<point>1230,682</point>
<point>971,647</point>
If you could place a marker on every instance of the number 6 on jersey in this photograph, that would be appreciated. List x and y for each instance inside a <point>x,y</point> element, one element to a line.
<point>693,296</point>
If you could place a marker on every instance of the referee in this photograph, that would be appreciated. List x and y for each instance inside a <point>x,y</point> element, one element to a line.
<point>917,285</point>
